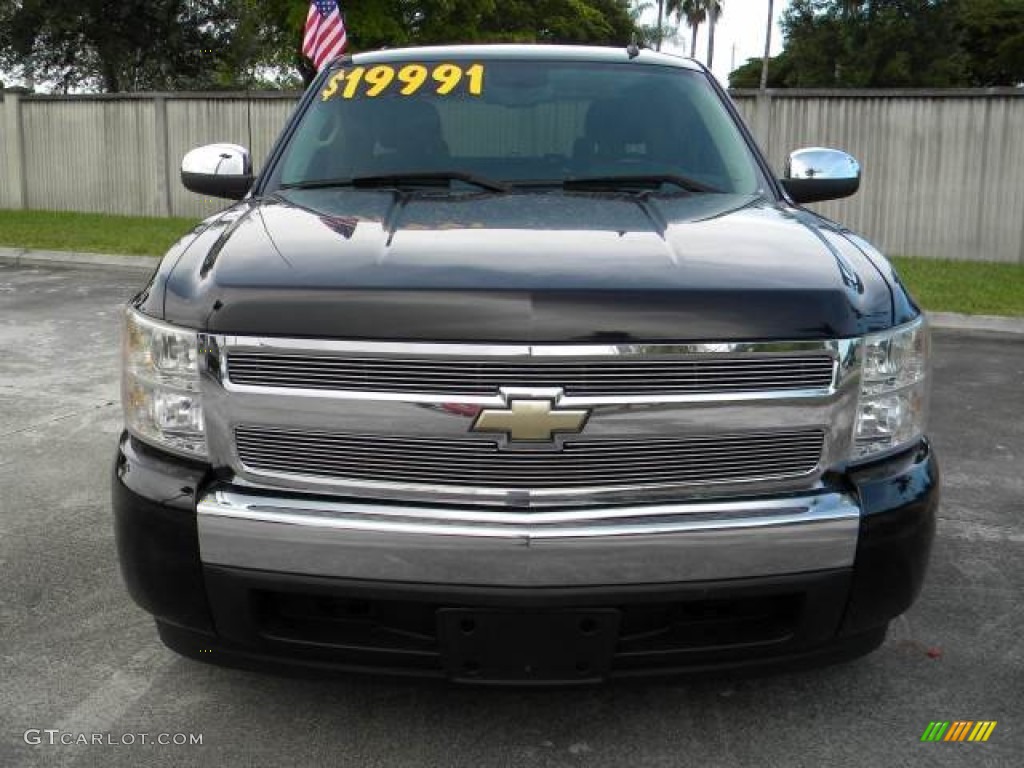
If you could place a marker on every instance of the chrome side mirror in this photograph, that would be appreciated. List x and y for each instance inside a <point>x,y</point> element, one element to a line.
<point>817,173</point>
<point>220,170</point>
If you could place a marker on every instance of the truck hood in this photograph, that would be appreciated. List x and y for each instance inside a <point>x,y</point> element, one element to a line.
<point>524,267</point>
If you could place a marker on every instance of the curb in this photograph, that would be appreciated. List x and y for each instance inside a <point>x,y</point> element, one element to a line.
<point>28,257</point>
<point>953,321</point>
<point>944,321</point>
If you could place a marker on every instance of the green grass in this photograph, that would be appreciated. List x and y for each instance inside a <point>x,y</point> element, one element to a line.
<point>90,232</point>
<point>969,287</point>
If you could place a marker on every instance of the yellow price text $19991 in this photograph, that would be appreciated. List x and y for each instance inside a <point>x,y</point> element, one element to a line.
<point>406,80</point>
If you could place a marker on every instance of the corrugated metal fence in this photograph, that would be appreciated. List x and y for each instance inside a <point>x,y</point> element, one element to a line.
<point>943,171</point>
<point>120,154</point>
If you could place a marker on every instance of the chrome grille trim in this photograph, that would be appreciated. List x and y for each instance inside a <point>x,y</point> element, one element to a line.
<point>580,378</point>
<point>740,457</point>
<point>641,418</point>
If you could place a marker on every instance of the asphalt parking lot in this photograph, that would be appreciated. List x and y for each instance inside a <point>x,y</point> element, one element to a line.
<point>77,656</point>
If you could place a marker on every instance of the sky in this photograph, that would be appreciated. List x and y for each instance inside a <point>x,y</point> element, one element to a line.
<point>739,34</point>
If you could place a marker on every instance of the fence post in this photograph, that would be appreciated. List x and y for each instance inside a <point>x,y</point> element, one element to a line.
<point>14,145</point>
<point>163,180</point>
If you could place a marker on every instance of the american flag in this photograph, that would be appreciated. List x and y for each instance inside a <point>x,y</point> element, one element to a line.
<point>324,38</point>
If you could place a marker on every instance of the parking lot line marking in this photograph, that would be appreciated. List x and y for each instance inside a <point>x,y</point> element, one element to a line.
<point>107,703</point>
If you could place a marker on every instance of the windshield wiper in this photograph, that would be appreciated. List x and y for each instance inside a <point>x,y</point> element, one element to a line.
<point>427,178</point>
<point>642,181</point>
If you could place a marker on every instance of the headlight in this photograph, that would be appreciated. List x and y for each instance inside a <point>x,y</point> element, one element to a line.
<point>894,389</point>
<point>160,385</point>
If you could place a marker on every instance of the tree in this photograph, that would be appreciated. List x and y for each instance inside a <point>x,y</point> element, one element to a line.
<point>268,38</point>
<point>128,45</point>
<point>695,12</point>
<point>767,45</point>
<point>899,43</point>
<point>992,35</point>
<point>748,75</point>
<point>189,44</point>
<point>813,35</point>
<point>661,19</point>
<point>714,10</point>
<point>895,44</point>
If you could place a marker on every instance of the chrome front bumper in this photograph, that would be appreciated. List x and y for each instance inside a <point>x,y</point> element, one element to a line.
<point>667,543</point>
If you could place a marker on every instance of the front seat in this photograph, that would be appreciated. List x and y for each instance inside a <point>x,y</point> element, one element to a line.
<point>605,135</point>
<point>408,137</point>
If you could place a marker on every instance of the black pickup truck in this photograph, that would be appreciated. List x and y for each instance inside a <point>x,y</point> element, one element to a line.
<point>519,364</point>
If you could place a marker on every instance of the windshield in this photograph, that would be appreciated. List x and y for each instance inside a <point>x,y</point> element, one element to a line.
<point>499,123</point>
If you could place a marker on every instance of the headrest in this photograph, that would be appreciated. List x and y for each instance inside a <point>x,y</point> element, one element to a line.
<point>405,121</point>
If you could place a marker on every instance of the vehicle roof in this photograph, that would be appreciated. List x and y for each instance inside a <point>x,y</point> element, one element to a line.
<point>522,52</point>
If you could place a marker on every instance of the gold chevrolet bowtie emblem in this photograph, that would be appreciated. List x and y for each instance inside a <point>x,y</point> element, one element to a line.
<point>533,420</point>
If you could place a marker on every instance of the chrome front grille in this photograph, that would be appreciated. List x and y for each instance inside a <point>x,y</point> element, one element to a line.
<point>397,421</point>
<point>611,376</point>
<point>720,458</point>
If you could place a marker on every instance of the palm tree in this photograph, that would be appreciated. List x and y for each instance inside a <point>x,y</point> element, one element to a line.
<point>850,7</point>
<point>713,8</point>
<point>767,45</point>
<point>695,13</point>
<point>661,15</point>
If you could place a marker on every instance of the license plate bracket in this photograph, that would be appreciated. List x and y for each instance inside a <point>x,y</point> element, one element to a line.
<point>571,646</point>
